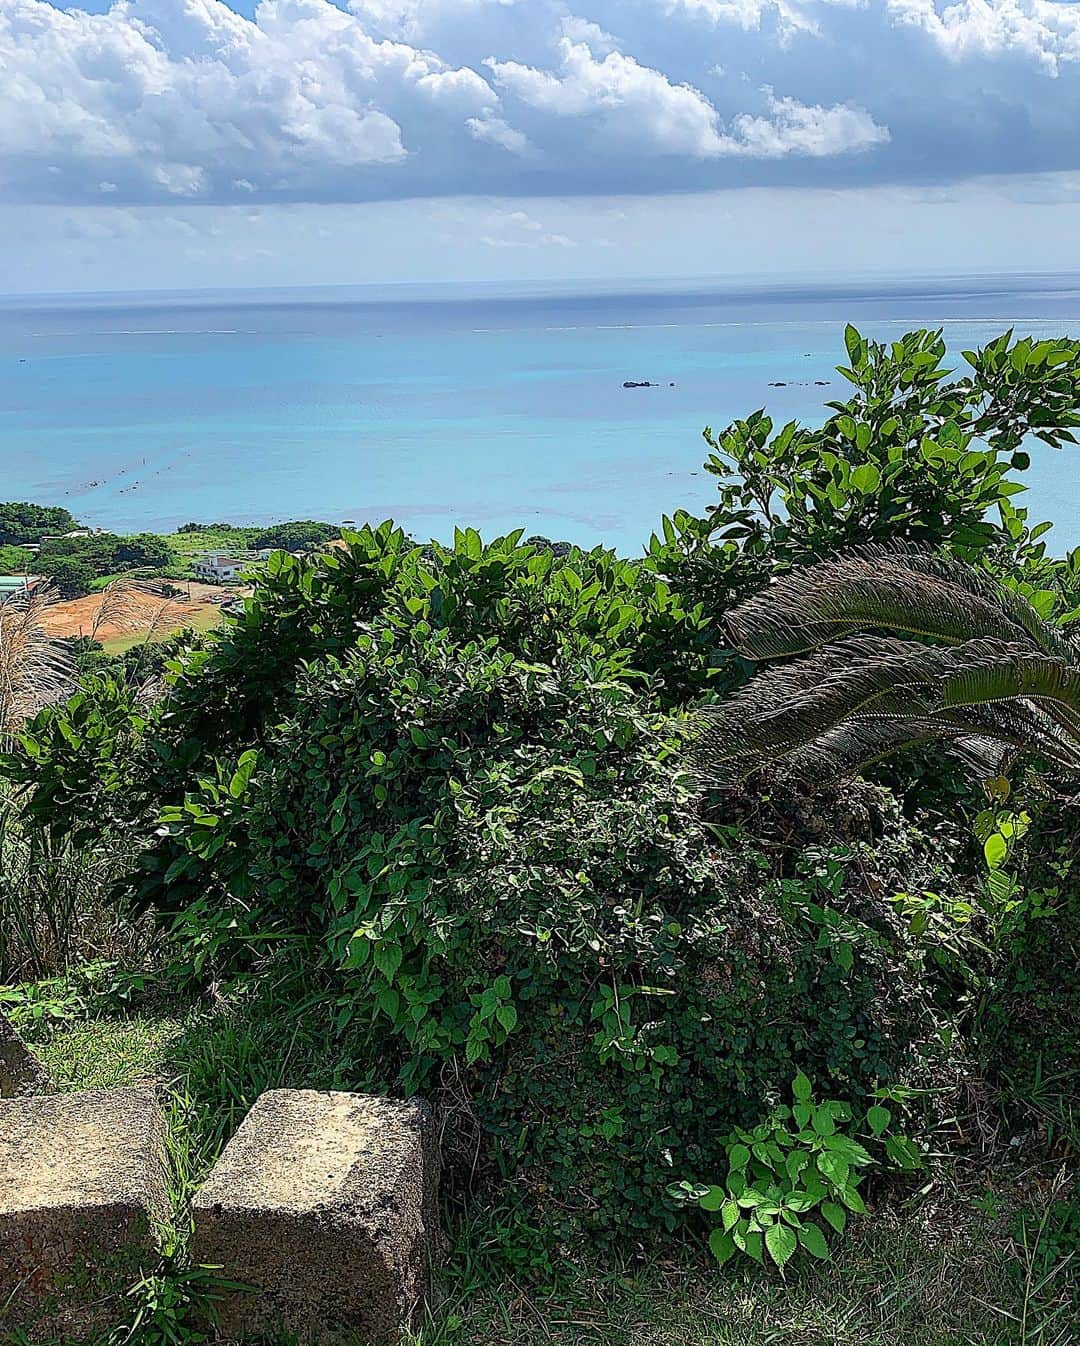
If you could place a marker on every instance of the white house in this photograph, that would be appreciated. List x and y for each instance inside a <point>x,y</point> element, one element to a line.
<point>216,568</point>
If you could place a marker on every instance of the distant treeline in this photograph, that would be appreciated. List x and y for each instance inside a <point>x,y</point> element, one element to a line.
<point>75,563</point>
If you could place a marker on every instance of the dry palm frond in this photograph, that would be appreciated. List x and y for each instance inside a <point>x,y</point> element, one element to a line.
<point>997,682</point>
<point>35,670</point>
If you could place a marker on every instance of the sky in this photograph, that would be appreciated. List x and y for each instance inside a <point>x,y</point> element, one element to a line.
<point>169,144</point>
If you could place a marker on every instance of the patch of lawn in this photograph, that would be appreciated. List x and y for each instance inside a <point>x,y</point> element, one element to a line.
<point>111,1053</point>
<point>204,618</point>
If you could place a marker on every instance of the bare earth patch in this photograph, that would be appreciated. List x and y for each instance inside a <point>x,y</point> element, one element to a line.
<point>145,614</point>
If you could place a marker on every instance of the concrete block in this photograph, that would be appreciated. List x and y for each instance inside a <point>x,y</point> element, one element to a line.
<point>81,1182</point>
<point>20,1071</point>
<point>324,1206</point>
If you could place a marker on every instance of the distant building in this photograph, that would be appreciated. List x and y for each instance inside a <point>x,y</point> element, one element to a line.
<point>12,586</point>
<point>215,568</point>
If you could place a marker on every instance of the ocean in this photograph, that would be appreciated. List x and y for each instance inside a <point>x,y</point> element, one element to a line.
<point>439,407</point>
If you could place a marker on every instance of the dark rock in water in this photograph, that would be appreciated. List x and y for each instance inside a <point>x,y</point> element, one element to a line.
<point>778,385</point>
<point>821,383</point>
<point>639,383</point>
<point>671,385</point>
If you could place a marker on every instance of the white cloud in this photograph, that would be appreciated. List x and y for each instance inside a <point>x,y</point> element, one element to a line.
<point>171,101</point>
<point>584,30</point>
<point>495,131</point>
<point>1044,30</point>
<point>640,106</point>
<point>176,96</point>
<point>519,229</point>
<point>790,15</point>
<point>794,128</point>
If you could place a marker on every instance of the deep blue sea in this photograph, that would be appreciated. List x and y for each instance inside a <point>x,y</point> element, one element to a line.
<point>444,407</point>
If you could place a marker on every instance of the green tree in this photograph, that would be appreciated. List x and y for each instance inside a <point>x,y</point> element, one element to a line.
<point>299,535</point>
<point>21,521</point>
<point>143,549</point>
<point>72,576</point>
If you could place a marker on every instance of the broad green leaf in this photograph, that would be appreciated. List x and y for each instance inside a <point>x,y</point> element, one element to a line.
<point>836,1215</point>
<point>738,1156</point>
<point>781,1243</point>
<point>996,850</point>
<point>801,1087</point>
<point>866,479</point>
<point>848,1149</point>
<point>388,959</point>
<point>813,1240</point>
<point>878,1119</point>
<point>713,1199</point>
<point>852,1200</point>
<point>904,1153</point>
<point>834,1167</point>
<point>721,1245</point>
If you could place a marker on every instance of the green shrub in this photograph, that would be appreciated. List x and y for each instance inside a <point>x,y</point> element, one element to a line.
<point>801,1160</point>
<point>504,876</point>
<point>444,785</point>
<point>298,535</point>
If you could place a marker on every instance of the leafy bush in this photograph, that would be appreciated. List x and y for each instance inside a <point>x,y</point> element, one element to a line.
<point>510,891</point>
<point>74,563</point>
<point>297,535</point>
<point>799,1159</point>
<point>445,786</point>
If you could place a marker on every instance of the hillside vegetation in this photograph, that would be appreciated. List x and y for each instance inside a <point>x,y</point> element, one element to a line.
<point>724,900</point>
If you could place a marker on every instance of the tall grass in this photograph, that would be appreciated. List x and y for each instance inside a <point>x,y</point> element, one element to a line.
<point>35,670</point>
<point>54,904</point>
<point>54,907</point>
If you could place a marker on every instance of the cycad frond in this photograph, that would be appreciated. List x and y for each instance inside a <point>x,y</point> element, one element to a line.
<point>899,589</point>
<point>997,682</point>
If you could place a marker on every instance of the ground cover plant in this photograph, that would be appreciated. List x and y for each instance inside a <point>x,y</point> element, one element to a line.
<point>441,809</point>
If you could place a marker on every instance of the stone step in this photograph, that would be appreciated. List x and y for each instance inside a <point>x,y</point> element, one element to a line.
<point>81,1185</point>
<point>323,1205</point>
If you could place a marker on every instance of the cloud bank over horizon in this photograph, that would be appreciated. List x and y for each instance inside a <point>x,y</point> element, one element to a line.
<point>191,102</point>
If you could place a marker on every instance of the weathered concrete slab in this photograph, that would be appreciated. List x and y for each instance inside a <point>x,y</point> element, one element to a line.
<point>324,1205</point>
<point>20,1071</point>
<point>81,1181</point>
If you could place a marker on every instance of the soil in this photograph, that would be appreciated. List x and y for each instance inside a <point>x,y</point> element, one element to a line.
<point>144,612</point>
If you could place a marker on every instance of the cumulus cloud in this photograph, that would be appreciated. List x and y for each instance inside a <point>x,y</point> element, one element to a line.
<point>495,131</point>
<point>188,101</point>
<point>1047,31</point>
<point>640,107</point>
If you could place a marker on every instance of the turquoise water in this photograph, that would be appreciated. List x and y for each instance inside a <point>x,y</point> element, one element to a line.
<point>447,408</point>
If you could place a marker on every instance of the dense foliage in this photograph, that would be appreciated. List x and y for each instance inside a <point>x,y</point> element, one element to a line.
<point>74,563</point>
<point>22,522</point>
<point>298,535</point>
<point>451,783</point>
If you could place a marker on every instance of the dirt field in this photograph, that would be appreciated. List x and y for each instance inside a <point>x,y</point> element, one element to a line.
<point>119,621</point>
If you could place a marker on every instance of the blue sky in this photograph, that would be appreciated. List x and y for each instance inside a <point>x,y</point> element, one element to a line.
<point>186,142</point>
